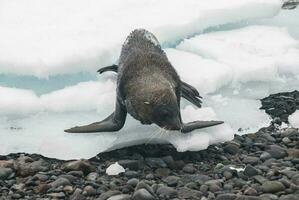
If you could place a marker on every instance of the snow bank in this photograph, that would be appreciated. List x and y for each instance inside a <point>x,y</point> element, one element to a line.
<point>85,96</point>
<point>255,53</point>
<point>51,37</point>
<point>231,69</point>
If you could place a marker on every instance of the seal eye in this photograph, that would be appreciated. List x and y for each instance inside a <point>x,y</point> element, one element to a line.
<point>165,114</point>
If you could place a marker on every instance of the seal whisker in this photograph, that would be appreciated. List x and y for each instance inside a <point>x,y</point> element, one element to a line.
<point>152,136</point>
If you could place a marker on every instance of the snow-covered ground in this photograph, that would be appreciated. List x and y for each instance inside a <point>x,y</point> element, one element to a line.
<point>233,51</point>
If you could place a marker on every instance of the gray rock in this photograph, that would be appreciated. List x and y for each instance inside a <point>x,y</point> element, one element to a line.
<point>5,173</point>
<point>250,160</point>
<point>131,174</point>
<point>41,177</point>
<point>89,191</point>
<point>60,182</point>
<point>59,195</point>
<point>227,186</point>
<point>286,140</point>
<point>144,185</point>
<point>295,179</point>
<point>6,163</point>
<point>268,197</point>
<point>142,194</point>
<point>172,181</point>
<point>227,196</point>
<point>272,186</point>
<point>227,175</point>
<point>197,178</point>
<point>245,197</point>
<point>130,164</point>
<point>186,193</point>
<point>68,189</point>
<point>204,188</point>
<point>69,177</point>
<point>214,182</point>
<point>289,197</point>
<point>268,137</point>
<point>169,161</point>
<point>120,197</point>
<point>108,194</point>
<point>133,182</point>
<point>155,162</point>
<point>77,195</point>
<point>250,191</point>
<point>149,176</point>
<point>260,179</point>
<point>79,165</point>
<point>231,148</point>
<point>168,192</point>
<point>189,168</point>
<point>293,152</point>
<point>162,172</point>
<point>288,172</point>
<point>214,188</point>
<point>26,168</point>
<point>250,171</point>
<point>92,176</point>
<point>265,156</point>
<point>277,152</point>
<point>289,132</point>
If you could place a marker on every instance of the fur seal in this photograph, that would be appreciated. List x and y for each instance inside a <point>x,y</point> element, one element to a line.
<point>148,88</point>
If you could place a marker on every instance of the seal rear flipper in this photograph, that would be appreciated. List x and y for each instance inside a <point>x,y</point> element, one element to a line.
<point>191,94</point>
<point>112,123</point>
<point>113,68</point>
<point>188,127</point>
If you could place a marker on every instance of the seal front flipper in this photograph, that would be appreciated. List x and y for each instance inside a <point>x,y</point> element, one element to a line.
<point>113,68</point>
<point>112,123</point>
<point>188,127</point>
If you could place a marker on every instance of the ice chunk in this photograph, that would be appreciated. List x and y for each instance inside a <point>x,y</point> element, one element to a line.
<point>115,169</point>
<point>294,119</point>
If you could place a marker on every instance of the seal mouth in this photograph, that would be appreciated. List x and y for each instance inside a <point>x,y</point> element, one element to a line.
<point>173,127</point>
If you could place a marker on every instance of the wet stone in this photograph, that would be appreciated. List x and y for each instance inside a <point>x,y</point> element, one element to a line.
<point>250,171</point>
<point>142,194</point>
<point>120,197</point>
<point>231,148</point>
<point>60,182</point>
<point>272,186</point>
<point>165,191</point>
<point>155,162</point>
<point>5,173</point>
<point>133,182</point>
<point>172,181</point>
<point>79,165</point>
<point>250,160</point>
<point>277,152</point>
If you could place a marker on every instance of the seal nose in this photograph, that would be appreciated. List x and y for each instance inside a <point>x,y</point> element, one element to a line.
<point>174,125</point>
